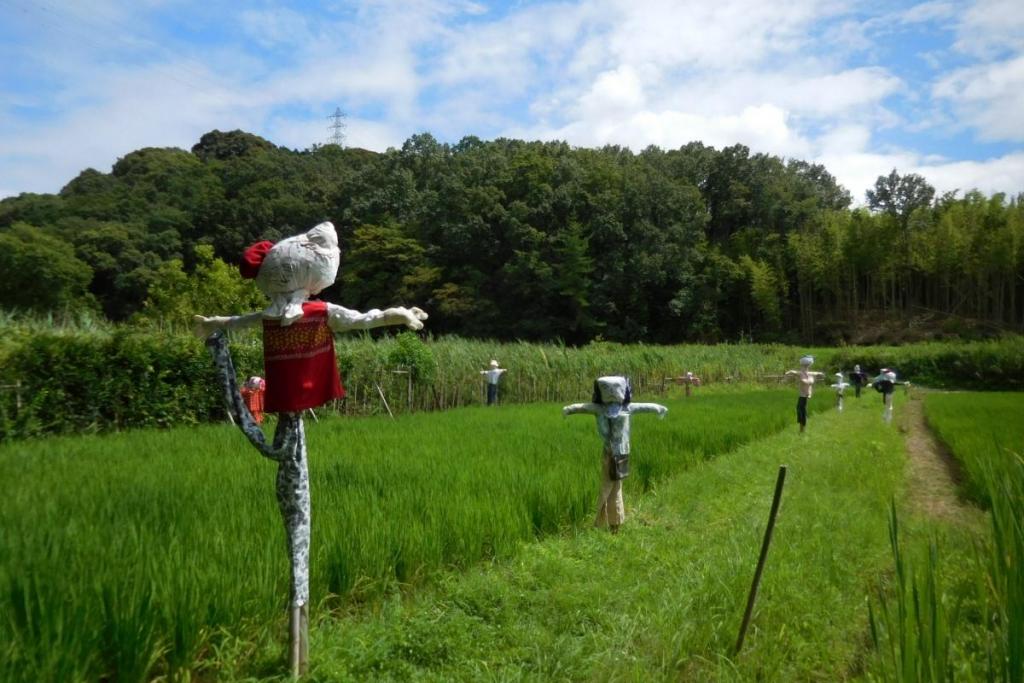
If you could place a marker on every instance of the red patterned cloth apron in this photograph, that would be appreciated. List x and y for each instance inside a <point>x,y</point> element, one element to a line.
<point>299,362</point>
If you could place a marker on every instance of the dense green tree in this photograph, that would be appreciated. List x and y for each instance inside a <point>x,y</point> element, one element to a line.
<point>900,195</point>
<point>659,246</point>
<point>40,272</point>
<point>213,288</point>
<point>383,267</point>
<point>217,145</point>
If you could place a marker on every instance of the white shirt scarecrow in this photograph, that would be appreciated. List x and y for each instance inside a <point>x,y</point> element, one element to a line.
<point>840,386</point>
<point>493,373</point>
<point>612,406</point>
<point>300,370</point>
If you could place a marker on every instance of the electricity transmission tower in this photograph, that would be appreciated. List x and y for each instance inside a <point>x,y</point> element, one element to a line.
<point>337,128</point>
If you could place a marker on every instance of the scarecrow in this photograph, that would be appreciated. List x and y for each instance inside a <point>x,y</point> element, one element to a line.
<point>805,376</point>
<point>688,381</point>
<point>840,387</point>
<point>300,373</point>
<point>493,374</point>
<point>885,384</point>
<point>612,406</point>
<point>859,379</point>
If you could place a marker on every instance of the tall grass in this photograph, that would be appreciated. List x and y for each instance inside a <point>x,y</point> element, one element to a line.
<point>59,377</point>
<point>910,626</point>
<point>123,556</point>
<point>548,372</point>
<point>927,627</point>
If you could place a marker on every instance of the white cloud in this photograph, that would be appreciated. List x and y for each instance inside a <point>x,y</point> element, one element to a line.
<point>927,12</point>
<point>989,27</point>
<point>797,79</point>
<point>1001,174</point>
<point>764,128</point>
<point>127,109</point>
<point>507,55</point>
<point>858,170</point>
<point>716,35</point>
<point>807,92</point>
<point>613,94</point>
<point>990,97</point>
<point>278,26</point>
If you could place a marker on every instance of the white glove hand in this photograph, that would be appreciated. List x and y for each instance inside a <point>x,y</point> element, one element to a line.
<point>414,317</point>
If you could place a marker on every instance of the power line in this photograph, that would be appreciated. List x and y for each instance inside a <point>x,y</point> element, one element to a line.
<point>82,30</point>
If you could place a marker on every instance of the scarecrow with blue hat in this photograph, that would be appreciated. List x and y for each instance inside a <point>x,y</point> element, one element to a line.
<point>611,405</point>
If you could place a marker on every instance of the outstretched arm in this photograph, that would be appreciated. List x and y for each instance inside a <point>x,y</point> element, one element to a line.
<point>204,326</point>
<point>588,408</point>
<point>284,439</point>
<point>648,408</point>
<point>341,319</point>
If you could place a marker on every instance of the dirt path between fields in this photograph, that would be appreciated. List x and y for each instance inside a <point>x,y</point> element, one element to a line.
<point>933,473</point>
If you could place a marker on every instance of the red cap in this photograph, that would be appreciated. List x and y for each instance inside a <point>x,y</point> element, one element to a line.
<point>252,259</point>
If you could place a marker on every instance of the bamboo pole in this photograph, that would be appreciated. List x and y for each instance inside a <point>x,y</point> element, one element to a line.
<point>761,559</point>
<point>381,392</point>
<point>298,641</point>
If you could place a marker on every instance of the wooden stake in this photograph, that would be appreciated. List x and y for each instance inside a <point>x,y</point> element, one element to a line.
<point>304,641</point>
<point>760,560</point>
<point>295,641</point>
<point>381,392</point>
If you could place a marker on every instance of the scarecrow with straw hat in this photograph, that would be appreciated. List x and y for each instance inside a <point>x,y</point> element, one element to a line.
<point>493,374</point>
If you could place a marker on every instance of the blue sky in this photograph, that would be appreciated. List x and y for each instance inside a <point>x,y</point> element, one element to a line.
<point>935,88</point>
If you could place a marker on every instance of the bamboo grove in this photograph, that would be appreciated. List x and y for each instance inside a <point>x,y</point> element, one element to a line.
<point>508,239</point>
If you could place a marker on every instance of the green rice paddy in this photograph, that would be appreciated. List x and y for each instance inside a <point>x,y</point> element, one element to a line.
<point>456,546</point>
<point>128,555</point>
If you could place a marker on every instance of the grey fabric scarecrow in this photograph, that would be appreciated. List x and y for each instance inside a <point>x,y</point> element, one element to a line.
<point>612,407</point>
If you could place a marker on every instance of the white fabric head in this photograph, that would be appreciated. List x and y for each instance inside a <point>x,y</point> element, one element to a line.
<point>494,363</point>
<point>297,268</point>
<point>807,361</point>
<point>612,389</point>
<point>891,376</point>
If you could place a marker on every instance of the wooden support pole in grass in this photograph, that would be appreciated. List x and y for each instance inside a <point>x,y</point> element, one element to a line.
<point>298,641</point>
<point>381,392</point>
<point>760,560</point>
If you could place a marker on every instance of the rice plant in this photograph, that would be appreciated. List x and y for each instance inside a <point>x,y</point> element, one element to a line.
<point>128,556</point>
<point>930,626</point>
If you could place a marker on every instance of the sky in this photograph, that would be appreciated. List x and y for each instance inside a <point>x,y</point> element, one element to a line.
<point>935,88</point>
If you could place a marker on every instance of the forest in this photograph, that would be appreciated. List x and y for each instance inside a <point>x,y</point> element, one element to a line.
<point>508,239</point>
